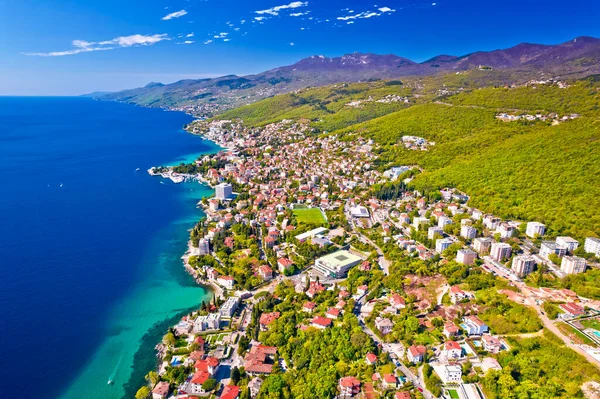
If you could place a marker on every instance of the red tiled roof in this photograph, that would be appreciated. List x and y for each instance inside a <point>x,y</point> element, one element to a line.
<point>230,392</point>
<point>349,382</point>
<point>371,357</point>
<point>200,377</point>
<point>452,345</point>
<point>322,321</point>
<point>389,378</point>
<point>268,318</point>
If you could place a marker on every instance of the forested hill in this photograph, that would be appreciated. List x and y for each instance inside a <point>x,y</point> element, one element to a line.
<point>543,169</point>
<point>574,58</point>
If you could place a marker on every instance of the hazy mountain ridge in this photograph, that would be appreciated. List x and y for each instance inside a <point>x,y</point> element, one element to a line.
<point>577,57</point>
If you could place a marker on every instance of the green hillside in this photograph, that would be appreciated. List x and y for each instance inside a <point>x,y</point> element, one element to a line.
<point>529,170</point>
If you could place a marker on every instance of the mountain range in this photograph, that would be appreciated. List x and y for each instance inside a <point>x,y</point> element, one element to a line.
<point>574,58</point>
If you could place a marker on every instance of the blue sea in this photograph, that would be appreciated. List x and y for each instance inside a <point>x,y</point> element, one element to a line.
<point>90,247</point>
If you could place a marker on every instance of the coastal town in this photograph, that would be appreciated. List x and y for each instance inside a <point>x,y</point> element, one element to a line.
<point>308,242</point>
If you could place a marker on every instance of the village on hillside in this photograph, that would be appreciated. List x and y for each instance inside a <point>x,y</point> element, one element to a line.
<point>307,240</point>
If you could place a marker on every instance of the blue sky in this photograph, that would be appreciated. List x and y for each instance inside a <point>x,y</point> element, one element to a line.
<point>64,47</point>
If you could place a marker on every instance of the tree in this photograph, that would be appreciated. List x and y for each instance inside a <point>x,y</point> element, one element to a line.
<point>169,339</point>
<point>142,393</point>
<point>152,378</point>
<point>209,384</point>
<point>235,375</point>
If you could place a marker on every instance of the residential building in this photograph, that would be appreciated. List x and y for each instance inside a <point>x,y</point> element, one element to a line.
<point>550,247</point>
<point>226,281</point>
<point>229,307</point>
<point>451,330</point>
<point>592,246</point>
<point>265,272</point>
<point>523,265</point>
<point>443,221</point>
<point>284,264</point>
<point>203,246</point>
<point>570,310</point>
<point>491,344</point>
<point>457,295</point>
<point>466,256</point>
<point>254,385</point>
<point>468,232</point>
<point>573,264</point>
<point>384,325</point>
<point>491,222</point>
<point>224,191</point>
<point>161,390</point>
<point>337,264</point>
<point>397,301</point>
<point>359,212</point>
<point>349,386</point>
<point>474,326</point>
<point>483,244</point>
<point>266,319</point>
<point>371,359</point>
<point>535,229</point>
<point>452,373</point>
<point>441,244</point>
<point>433,231</point>
<point>230,392</point>
<point>310,234</point>
<point>569,243</point>
<point>477,214</point>
<point>416,353</point>
<point>309,307</point>
<point>452,350</point>
<point>321,322</point>
<point>500,251</point>
<point>420,221</point>
<point>211,321</point>
<point>506,230</point>
<point>390,381</point>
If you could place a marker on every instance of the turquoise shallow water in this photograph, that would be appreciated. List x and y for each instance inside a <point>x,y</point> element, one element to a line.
<point>90,268</point>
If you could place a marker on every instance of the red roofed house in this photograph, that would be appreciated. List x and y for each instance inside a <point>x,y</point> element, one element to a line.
<point>321,322</point>
<point>371,358</point>
<point>195,385</point>
<point>361,290</point>
<point>333,313</point>
<point>491,344</point>
<point>161,390</point>
<point>416,353</point>
<point>349,386</point>
<point>267,318</point>
<point>259,360</point>
<point>210,365</point>
<point>265,272</point>
<point>390,381</point>
<point>226,281</point>
<point>452,350</point>
<point>571,310</point>
<point>230,392</point>
<point>451,330</point>
<point>309,307</point>
<point>403,395</point>
<point>397,301</point>
<point>284,264</point>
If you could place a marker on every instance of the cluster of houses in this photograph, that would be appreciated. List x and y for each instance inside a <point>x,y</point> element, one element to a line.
<point>552,117</point>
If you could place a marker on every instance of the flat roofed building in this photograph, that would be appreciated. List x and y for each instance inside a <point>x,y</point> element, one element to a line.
<point>466,256</point>
<point>483,244</point>
<point>592,245</point>
<point>500,251</point>
<point>535,229</point>
<point>310,234</point>
<point>359,211</point>
<point>573,264</point>
<point>337,264</point>
<point>523,265</point>
<point>442,244</point>
<point>224,191</point>
<point>569,243</point>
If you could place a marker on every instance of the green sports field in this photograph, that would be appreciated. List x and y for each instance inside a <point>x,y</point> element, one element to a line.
<point>312,216</point>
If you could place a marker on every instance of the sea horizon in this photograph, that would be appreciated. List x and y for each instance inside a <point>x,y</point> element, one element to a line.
<point>103,279</point>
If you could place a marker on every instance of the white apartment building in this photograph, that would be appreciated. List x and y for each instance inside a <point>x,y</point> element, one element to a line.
<point>441,244</point>
<point>466,256</point>
<point>523,265</point>
<point>573,264</point>
<point>224,191</point>
<point>535,229</point>
<point>483,244</point>
<point>569,243</point>
<point>500,251</point>
<point>468,232</point>
<point>592,245</point>
<point>432,231</point>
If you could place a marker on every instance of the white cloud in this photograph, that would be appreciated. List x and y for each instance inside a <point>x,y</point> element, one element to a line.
<point>208,41</point>
<point>299,14</point>
<point>366,14</point>
<point>190,35</point>
<point>275,10</point>
<point>82,46</point>
<point>176,14</point>
<point>189,42</point>
<point>260,18</point>
<point>386,9</point>
<point>292,44</point>
<point>226,40</point>
<point>221,35</point>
